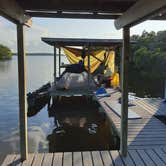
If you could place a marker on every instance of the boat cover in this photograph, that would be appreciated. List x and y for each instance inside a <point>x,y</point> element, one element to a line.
<point>75,81</point>
<point>74,55</point>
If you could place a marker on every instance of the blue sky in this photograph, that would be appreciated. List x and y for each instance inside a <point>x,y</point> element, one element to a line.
<point>75,28</point>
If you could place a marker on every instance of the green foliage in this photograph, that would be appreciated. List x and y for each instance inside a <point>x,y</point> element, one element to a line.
<point>5,53</point>
<point>148,58</point>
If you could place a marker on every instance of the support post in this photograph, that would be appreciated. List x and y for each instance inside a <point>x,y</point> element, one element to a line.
<point>124,84</point>
<point>54,65</point>
<point>59,61</point>
<point>89,67</point>
<point>22,92</point>
<point>165,91</point>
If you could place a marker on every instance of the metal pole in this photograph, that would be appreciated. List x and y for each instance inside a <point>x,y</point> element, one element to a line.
<point>59,61</point>
<point>54,65</point>
<point>124,105</point>
<point>22,92</point>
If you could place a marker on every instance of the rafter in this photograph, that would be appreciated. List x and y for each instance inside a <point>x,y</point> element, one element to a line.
<point>139,12</point>
<point>12,11</point>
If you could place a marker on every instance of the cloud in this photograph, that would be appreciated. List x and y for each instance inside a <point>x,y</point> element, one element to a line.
<point>66,28</point>
<point>33,36</point>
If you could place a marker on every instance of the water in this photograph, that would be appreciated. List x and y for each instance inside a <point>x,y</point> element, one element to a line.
<point>42,134</point>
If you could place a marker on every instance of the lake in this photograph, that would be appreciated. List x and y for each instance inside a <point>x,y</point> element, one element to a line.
<point>42,133</point>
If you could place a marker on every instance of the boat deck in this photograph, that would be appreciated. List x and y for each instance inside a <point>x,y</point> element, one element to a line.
<point>150,157</point>
<point>53,92</point>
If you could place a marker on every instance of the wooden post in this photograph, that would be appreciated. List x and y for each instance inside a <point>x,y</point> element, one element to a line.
<point>54,65</point>
<point>59,61</point>
<point>120,52</point>
<point>165,92</point>
<point>124,84</point>
<point>22,92</point>
<point>89,67</point>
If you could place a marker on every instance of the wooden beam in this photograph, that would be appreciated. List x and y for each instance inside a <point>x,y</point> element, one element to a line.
<point>89,67</point>
<point>139,12</point>
<point>55,65</point>
<point>72,15</point>
<point>124,84</point>
<point>59,61</point>
<point>12,11</point>
<point>22,92</point>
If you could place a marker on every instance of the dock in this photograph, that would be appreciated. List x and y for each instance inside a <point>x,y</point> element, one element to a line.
<point>146,140</point>
<point>143,133</point>
<point>151,156</point>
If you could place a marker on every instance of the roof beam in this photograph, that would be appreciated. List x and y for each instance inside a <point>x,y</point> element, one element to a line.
<point>72,15</point>
<point>139,12</point>
<point>11,10</point>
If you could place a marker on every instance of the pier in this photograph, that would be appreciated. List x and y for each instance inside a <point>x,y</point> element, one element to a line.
<point>152,156</point>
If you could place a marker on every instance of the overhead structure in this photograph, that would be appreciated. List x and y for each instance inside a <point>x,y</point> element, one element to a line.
<point>141,11</point>
<point>21,10</point>
<point>126,12</point>
<point>11,10</point>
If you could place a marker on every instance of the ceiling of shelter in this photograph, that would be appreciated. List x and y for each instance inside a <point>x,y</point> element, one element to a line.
<point>110,6</point>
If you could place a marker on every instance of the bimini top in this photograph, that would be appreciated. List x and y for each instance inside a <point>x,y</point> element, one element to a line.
<point>82,42</point>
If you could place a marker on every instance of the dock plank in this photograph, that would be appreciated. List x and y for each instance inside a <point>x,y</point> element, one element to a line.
<point>57,159</point>
<point>17,161</point>
<point>116,158</point>
<point>87,159</point>
<point>9,159</point>
<point>146,159</point>
<point>67,159</point>
<point>38,159</point>
<point>77,159</point>
<point>155,157</point>
<point>161,154</point>
<point>136,158</point>
<point>97,158</point>
<point>48,159</point>
<point>29,161</point>
<point>106,158</point>
<point>128,160</point>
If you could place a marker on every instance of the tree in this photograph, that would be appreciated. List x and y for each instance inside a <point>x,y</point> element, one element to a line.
<point>147,68</point>
<point>5,52</point>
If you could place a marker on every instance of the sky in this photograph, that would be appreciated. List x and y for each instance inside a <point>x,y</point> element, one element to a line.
<point>67,28</point>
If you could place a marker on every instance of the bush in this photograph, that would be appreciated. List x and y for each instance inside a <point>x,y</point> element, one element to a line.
<point>5,53</point>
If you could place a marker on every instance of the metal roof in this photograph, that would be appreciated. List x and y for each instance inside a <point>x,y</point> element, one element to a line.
<point>81,42</point>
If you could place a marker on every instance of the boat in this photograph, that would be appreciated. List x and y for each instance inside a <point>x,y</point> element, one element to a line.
<point>38,99</point>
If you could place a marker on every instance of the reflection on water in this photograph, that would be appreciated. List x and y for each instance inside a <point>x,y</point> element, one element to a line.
<point>76,128</point>
<point>80,126</point>
<point>5,65</point>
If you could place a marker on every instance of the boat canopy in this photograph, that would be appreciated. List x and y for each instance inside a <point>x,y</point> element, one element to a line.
<point>97,58</point>
<point>100,57</point>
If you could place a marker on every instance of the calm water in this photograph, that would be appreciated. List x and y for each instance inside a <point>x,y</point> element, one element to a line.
<point>42,133</point>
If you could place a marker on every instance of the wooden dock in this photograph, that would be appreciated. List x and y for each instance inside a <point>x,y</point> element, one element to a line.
<point>150,157</point>
<point>143,133</point>
<point>146,141</point>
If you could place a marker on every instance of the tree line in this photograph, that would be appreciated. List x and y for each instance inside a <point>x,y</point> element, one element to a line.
<point>5,52</point>
<point>147,67</point>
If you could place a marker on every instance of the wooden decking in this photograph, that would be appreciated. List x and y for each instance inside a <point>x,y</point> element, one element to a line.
<point>146,141</point>
<point>143,133</point>
<point>154,106</point>
<point>150,157</point>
